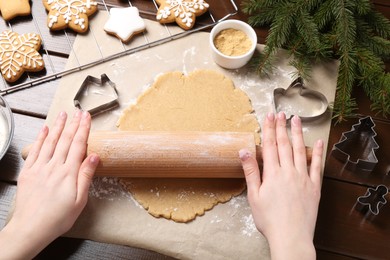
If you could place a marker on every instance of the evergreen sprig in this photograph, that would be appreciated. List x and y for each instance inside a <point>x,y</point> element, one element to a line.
<point>318,30</point>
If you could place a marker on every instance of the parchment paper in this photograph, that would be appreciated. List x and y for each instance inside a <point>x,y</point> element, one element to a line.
<point>111,215</point>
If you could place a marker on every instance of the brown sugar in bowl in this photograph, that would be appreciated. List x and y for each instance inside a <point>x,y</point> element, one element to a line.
<point>232,43</point>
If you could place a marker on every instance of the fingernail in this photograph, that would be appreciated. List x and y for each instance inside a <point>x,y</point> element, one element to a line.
<point>94,159</point>
<point>244,154</point>
<point>62,114</point>
<point>77,113</point>
<point>320,143</point>
<point>281,115</point>
<point>44,129</point>
<point>85,114</point>
<point>271,116</point>
<point>296,120</point>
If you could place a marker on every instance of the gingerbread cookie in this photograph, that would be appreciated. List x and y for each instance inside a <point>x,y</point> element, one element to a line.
<point>124,23</point>
<point>12,8</point>
<point>69,13</point>
<point>183,12</point>
<point>19,53</point>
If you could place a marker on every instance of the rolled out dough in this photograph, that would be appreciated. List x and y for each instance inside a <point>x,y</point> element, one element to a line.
<point>204,100</point>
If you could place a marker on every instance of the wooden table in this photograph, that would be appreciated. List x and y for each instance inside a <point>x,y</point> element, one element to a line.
<point>341,232</point>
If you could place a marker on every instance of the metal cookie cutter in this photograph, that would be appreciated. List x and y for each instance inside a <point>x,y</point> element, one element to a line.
<point>357,146</point>
<point>299,100</point>
<point>96,95</point>
<point>372,201</point>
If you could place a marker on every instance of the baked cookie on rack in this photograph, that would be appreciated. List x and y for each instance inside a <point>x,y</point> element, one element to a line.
<point>71,14</point>
<point>183,12</point>
<point>12,8</point>
<point>19,53</point>
<point>124,23</point>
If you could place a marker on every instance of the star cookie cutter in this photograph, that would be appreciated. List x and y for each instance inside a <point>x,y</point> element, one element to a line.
<point>357,147</point>
<point>96,95</point>
<point>372,201</point>
<point>297,99</point>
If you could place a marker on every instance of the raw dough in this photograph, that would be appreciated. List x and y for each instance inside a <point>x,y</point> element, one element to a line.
<point>204,100</point>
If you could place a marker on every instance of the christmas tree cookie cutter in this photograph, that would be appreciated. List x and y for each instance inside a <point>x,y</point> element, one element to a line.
<point>299,100</point>
<point>357,147</point>
<point>371,202</point>
<point>96,95</point>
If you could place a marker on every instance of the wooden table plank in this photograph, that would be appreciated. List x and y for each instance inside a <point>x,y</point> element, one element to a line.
<point>381,173</point>
<point>340,234</point>
<point>326,255</point>
<point>344,230</point>
<point>26,130</point>
<point>7,194</point>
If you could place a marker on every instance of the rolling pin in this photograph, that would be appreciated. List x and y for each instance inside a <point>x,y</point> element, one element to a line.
<point>172,154</point>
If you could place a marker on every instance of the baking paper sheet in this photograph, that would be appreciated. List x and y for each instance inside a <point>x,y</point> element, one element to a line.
<point>112,215</point>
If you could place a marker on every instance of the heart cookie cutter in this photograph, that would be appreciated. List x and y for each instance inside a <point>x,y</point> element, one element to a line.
<point>94,91</point>
<point>297,99</point>
<point>371,202</point>
<point>357,147</point>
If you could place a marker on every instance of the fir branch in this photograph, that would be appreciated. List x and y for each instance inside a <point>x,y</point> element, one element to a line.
<point>281,27</point>
<point>324,15</point>
<point>317,30</point>
<point>263,17</point>
<point>253,6</point>
<point>262,63</point>
<point>345,105</point>
<point>303,67</point>
<point>345,26</point>
<point>379,23</point>
<point>381,102</point>
<point>368,39</point>
<point>307,29</point>
<point>362,7</point>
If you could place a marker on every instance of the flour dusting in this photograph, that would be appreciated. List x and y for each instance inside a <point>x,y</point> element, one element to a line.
<point>107,188</point>
<point>249,228</point>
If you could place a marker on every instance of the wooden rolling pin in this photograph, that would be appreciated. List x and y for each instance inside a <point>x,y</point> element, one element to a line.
<point>172,154</point>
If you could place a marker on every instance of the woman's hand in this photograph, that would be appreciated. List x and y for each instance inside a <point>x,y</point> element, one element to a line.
<point>52,187</point>
<point>285,198</point>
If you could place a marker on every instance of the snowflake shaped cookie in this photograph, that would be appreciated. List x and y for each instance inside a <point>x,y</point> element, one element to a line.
<point>124,23</point>
<point>12,8</point>
<point>69,13</point>
<point>183,12</point>
<point>19,53</point>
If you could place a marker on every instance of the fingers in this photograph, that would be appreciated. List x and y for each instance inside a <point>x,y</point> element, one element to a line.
<point>36,148</point>
<point>85,176</point>
<point>270,150</point>
<point>283,141</point>
<point>62,149</point>
<point>316,163</point>
<point>50,143</point>
<point>78,147</point>
<point>299,149</point>
<point>251,171</point>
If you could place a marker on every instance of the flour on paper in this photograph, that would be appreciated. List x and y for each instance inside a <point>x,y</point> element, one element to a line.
<point>204,100</point>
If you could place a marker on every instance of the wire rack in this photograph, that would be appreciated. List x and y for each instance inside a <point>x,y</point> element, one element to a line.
<point>31,80</point>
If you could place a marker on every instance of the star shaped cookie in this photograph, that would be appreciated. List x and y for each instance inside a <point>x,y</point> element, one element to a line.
<point>19,53</point>
<point>183,12</point>
<point>12,8</point>
<point>124,23</point>
<point>69,13</point>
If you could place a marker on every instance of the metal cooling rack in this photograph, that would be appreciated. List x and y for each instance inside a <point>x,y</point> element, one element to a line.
<point>31,82</point>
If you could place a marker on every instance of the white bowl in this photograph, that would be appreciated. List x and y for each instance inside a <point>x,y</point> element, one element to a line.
<point>6,126</point>
<point>232,62</point>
